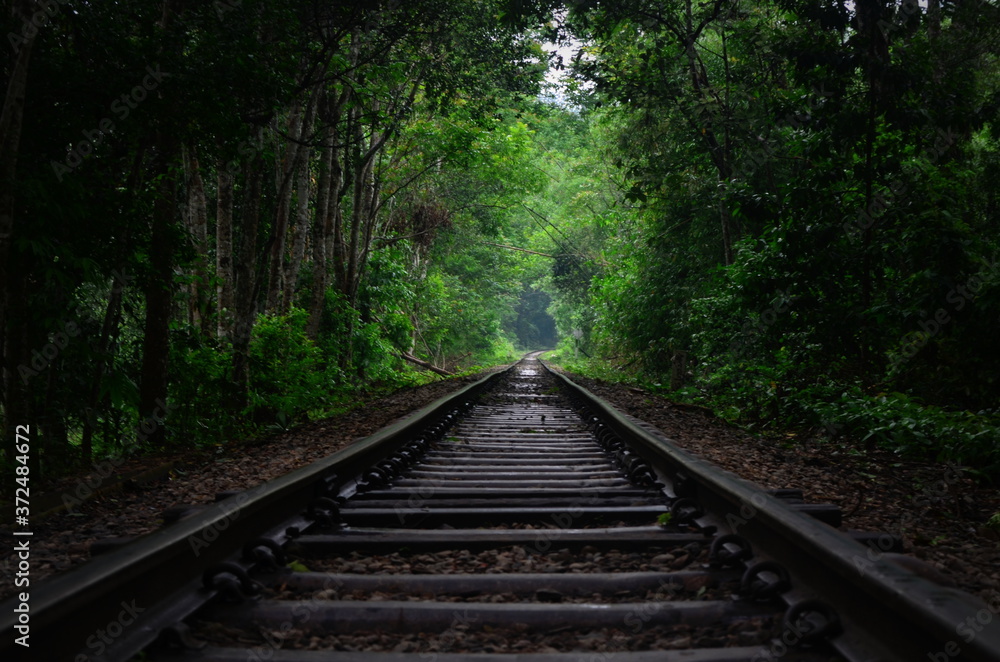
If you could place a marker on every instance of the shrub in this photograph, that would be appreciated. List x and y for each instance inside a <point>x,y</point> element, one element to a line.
<point>286,369</point>
<point>899,423</point>
<point>200,388</point>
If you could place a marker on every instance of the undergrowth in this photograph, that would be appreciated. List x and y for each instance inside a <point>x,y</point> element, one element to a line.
<point>892,421</point>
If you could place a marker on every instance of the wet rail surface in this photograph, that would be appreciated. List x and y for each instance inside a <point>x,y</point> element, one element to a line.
<point>519,520</point>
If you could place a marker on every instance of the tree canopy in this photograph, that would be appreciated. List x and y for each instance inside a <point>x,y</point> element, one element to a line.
<point>783,209</point>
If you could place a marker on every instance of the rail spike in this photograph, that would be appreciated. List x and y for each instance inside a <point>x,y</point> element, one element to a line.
<point>266,552</point>
<point>754,587</point>
<point>720,555</point>
<point>231,581</point>
<point>685,511</point>
<point>805,611</point>
<point>325,512</point>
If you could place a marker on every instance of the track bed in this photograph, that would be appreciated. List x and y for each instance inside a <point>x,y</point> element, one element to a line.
<point>518,520</point>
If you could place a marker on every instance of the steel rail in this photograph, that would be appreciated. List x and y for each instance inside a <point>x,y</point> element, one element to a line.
<point>69,612</point>
<point>889,613</point>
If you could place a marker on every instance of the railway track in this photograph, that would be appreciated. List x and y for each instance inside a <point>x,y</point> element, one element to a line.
<point>520,518</point>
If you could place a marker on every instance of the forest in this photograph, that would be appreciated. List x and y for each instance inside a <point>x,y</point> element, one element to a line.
<point>220,219</point>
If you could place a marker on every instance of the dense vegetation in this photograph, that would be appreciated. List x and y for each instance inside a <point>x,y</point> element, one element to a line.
<point>806,231</point>
<point>219,217</point>
<point>216,218</point>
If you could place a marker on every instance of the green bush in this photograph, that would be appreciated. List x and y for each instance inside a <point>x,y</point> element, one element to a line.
<point>899,423</point>
<point>374,355</point>
<point>499,350</point>
<point>200,388</point>
<point>287,376</point>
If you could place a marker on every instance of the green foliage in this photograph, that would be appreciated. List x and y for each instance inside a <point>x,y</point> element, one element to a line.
<point>202,388</point>
<point>286,369</point>
<point>467,283</point>
<point>808,217</point>
<point>851,194</point>
<point>993,523</point>
<point>897,422</point>
<point>134,125</point>
<point>373,353</point>
<point>570,359</point>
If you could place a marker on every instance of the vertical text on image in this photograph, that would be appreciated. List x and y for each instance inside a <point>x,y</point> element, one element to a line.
<point>22,547</point>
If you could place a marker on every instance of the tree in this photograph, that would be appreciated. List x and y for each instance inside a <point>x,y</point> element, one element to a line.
<point>188,176</point>
<point>839,149</point>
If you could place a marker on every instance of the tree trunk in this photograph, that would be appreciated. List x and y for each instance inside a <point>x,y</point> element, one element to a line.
<point>322,227</point>
<point>361,213</point>
<point>224,253</point>
<point>197,222</point>
<point>344,171</point>
<point>869,13</point>
<point>299,126</point>
<point>337,248</point>
<point>424,364</point>
<point>286,168</point>
<point>372,194</point>
<point>159,293</point>
<point>719,152</point>
<point>109,329</point>
<point>299,232</point>
<point>933,18</point>
<point>678,370</point>
<point>159,287</point>
<point>244,289</point>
